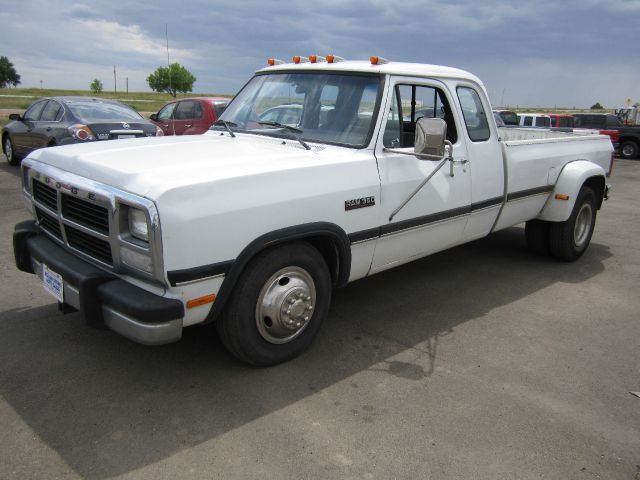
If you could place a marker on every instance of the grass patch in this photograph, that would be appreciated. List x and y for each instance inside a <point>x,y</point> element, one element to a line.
<point>21,98</point>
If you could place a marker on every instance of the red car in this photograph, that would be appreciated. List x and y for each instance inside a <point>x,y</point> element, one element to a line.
<point>189,116</point>
<point>560,120</point>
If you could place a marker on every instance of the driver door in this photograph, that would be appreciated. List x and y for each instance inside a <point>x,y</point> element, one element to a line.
<point>435,217</point>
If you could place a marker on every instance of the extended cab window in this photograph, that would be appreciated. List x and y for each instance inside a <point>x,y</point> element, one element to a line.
<point>474,115</point>
<point>411,103</point>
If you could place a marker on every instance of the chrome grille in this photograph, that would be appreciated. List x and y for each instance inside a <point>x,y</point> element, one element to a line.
<point>45,195</point>
<point>95,218</point>
<point>86,213</point>
<point>49,223</point>
<point>88,244</point>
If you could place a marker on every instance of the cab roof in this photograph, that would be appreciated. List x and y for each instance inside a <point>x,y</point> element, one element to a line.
<point>390,68</point>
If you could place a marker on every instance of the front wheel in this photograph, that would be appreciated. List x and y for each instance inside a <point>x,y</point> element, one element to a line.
<point>629,150</point>
<point>568,240</point>
<point>10,152</point>
<point>277,306</point>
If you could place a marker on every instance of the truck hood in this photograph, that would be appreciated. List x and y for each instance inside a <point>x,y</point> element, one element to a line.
<point>148,166</point>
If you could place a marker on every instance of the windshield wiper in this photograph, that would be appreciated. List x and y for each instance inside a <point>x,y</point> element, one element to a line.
<point>226,125</point>
<point>295,132</point>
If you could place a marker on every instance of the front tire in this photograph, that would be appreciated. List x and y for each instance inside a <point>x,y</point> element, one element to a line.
<point>277,306</point>
<point>10,151</point>
<point>568,240</point>
<point>629,150</point>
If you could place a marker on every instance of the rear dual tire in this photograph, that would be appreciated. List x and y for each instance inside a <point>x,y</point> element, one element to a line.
<point>566,240</point>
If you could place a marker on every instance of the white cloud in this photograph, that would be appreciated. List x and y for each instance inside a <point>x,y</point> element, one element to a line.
<point>104,35</point>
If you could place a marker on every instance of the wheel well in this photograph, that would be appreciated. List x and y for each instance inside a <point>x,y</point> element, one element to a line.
<point>52,143</point>
<point>329,251</point>
<point>597,184</point>
<point>623,139</point>
<point>330,240</point>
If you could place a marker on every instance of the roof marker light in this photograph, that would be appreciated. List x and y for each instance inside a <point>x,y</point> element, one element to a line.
<point>334,59</point>
<point>375,60</point>
<point>274,61</point>
<point>298,59</point>
<point>317,58</point>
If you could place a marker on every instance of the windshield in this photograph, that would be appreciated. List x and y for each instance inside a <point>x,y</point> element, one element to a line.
<point>89,112</point>
<point>327,108</point>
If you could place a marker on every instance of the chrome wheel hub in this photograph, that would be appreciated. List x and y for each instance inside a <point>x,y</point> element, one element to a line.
<point>285,305</point>
<point>627,150</point>
<point>582,227</point>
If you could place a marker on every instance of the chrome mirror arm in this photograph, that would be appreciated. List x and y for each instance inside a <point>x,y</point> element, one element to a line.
<point>443,160</point>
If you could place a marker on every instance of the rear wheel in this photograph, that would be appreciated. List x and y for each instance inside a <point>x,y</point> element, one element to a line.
<point>277,305</point>
<point>629,150</point>
<point>568,240</point>
<point>537,234</point>
<point>10,152</point>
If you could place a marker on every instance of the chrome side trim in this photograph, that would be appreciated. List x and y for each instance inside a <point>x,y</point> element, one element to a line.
<point>145,333</point>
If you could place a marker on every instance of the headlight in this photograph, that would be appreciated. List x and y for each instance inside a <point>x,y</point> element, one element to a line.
<point>138,226</point>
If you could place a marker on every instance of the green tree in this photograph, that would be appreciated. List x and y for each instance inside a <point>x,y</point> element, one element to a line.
<point>96,86</point>
<point>8,75</point>
<point>597,106</point>
<point>172,79</point>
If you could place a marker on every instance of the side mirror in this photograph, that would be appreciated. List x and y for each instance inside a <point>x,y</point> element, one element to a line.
<point>153,117</point>
<point>15,116</point>
<point>430,138</point>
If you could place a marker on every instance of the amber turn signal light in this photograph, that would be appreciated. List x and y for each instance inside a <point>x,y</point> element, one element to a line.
<point>197,302</point>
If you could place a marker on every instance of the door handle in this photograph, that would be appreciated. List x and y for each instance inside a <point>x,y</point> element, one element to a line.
<point>462,161</point>
<point>188,126</point>
<point>48,129</point>
<point>165,126</point>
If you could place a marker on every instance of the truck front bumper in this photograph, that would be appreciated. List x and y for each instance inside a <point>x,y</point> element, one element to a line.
<point>103,299</point>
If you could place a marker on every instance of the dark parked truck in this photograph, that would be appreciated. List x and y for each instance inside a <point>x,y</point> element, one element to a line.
<point>628,138</point>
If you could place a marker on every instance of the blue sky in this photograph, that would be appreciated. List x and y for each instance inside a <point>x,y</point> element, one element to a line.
<point>528,53</point>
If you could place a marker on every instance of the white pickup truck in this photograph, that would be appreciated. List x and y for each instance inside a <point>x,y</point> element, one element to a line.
<point>319,173</point>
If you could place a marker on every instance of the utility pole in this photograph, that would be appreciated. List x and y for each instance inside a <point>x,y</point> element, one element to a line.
<point>166,34</point>
<point>40,84</point>
<point>127,78</point>
<point>115,81</point>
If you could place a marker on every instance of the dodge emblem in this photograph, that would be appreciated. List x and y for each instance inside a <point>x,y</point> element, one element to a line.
<point>125,125</point>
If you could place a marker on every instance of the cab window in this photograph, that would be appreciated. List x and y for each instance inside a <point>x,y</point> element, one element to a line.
<point>474,115</point>
<point>411,103</point>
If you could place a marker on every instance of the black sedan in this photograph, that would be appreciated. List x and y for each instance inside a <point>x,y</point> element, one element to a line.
<point>64,120</point>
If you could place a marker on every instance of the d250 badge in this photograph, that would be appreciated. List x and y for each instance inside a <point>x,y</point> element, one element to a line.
<point>359,203</point>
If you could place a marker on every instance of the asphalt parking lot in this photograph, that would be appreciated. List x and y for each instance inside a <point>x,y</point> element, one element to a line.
<point>481,362</point>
